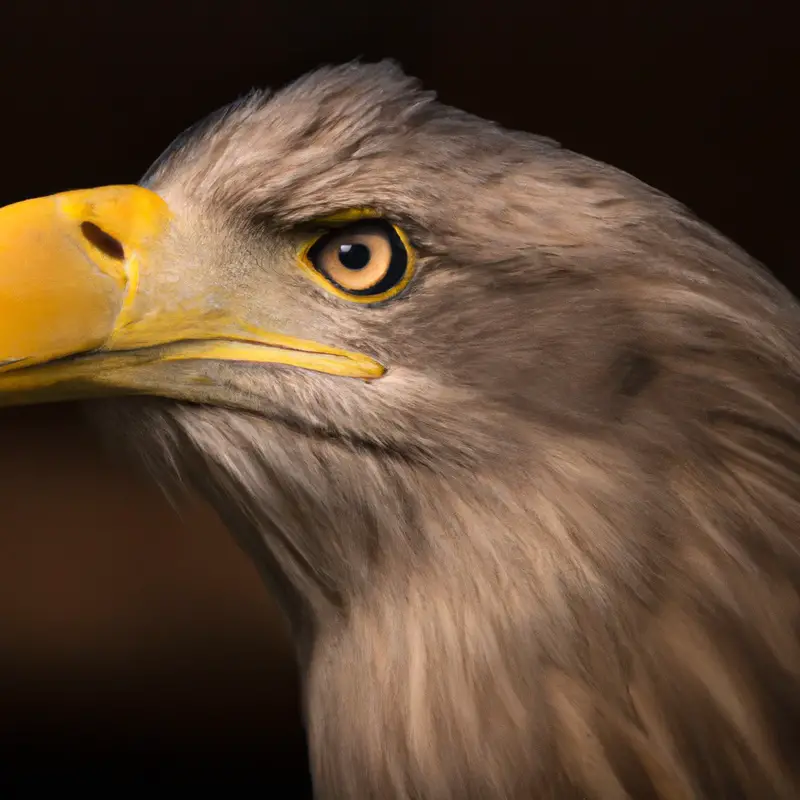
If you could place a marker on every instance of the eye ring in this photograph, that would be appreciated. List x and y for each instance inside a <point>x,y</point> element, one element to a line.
<point>366,261</point>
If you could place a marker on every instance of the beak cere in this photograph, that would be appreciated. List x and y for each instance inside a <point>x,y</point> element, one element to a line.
<point>66,264</point>
<point>70,312</point>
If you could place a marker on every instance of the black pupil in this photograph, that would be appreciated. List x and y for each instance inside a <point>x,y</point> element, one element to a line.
<point>354,256</point>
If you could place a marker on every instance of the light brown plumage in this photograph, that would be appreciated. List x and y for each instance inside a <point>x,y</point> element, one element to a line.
<point>553,553</point>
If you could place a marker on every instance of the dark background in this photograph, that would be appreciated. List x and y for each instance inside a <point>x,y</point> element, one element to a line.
<point>135,637</point>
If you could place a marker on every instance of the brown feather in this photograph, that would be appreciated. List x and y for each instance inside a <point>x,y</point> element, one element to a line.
<point>553,553</point>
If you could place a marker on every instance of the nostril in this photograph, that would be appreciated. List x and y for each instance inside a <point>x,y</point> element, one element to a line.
<point>103,241</point>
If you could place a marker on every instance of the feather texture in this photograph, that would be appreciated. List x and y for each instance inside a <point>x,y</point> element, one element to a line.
<point>553,553</point>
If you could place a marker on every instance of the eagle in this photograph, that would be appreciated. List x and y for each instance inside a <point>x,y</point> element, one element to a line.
<point>512,437</point>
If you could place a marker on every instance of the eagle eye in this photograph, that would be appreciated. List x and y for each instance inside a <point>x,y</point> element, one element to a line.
<point>366,261</point>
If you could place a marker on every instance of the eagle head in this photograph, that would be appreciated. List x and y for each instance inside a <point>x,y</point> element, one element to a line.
<point>513,438</point>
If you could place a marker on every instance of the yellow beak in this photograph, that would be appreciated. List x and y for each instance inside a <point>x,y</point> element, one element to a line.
<point>71,310</point>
